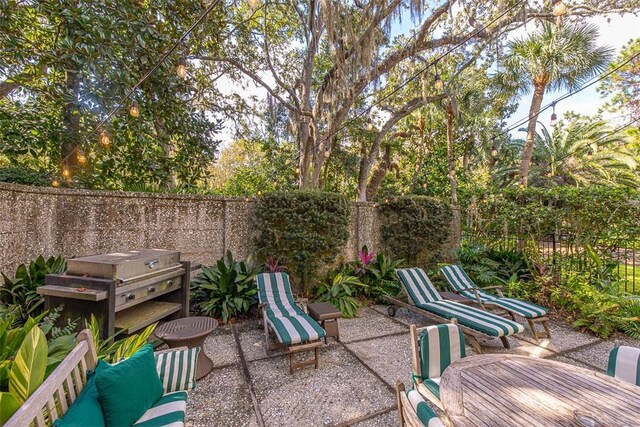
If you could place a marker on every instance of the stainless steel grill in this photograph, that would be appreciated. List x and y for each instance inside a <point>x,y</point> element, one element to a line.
<point>125,291</point>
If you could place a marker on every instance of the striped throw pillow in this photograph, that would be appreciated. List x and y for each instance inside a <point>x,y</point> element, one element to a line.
<point>177,369</point>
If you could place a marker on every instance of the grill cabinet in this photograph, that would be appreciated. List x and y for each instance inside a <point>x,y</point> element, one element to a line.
<point>125,291</point>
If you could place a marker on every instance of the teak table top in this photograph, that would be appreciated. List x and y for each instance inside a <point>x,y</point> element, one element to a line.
<point>508,390</point>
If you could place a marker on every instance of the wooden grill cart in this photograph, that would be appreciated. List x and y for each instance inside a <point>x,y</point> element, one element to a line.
<point>125,291</point>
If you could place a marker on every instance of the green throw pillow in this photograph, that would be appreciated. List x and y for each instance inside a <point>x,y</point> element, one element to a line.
<point>128,389</point>
<point>86,410</point>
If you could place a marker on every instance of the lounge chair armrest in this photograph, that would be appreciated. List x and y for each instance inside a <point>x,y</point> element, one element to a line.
<point>496,287</point>
<point>302,302</point>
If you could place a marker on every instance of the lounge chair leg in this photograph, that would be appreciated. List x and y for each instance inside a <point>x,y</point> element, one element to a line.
<point>316,351</point>
<point>534,330</point>
<point>505,342</point>
<point>545,325</point>
<point>474,344</point>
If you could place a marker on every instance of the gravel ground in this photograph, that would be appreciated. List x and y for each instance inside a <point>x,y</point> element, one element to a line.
<point>370,324</point>
<point>344,390</point>
<point>341,389</point>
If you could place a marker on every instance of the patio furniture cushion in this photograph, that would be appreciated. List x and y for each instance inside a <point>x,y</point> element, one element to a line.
<point>295,329</point>
<point>624,363</point>
<point>440,345</point>
<point>128,389</point>
<point>433,384</point>
<point>177,369</point>
<point>471,317</point>
<point>169,411</point>
<point>462,283</point>
<point>86,409</point>
<point>420,289</point>
<point>274,290</point>
<point>418,285</point>
<point>423,411</point>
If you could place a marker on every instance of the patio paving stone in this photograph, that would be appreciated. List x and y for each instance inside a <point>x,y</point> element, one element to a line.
<point>563,337</point>
<point>370,324</point>
<point>341,389</point>
<point>221,399</point>
<point>221,348</point>
<point>389,357</point>
<point>388,419</point>
<point>598,354</point>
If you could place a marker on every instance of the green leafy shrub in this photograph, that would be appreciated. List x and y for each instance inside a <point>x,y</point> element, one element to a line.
<point>341,291</point>
<point>377,272</point>
<point>29,354</point>
<point>487,265</point>
<point>306,230</point>
<point>21,290</point>
<point>225,289</point>
<point>111,350</point>
<point>23,175</point>
<point>415,228</point>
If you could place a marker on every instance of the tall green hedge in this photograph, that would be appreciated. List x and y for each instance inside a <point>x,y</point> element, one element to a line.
<point>306,230</point>
<point>415,228</point>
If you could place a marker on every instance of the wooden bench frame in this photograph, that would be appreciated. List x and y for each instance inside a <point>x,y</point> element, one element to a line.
<point>407,415</point>
<point>58,392</point>
<point>471,334</point>
<point>292,349</point>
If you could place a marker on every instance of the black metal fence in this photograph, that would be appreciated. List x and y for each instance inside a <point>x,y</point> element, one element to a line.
<point>564,253</point>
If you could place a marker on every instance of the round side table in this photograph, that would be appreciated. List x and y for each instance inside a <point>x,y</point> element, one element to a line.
<point>189,332</point>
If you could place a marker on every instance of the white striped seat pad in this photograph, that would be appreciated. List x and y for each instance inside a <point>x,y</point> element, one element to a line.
<point>423,411</point>
<point>624,363</point>
<point>519,307</point>
<point>177,369</point>
<point>295,329</point>
<point>471,317</point>
<point>274,289</point>
<point>169,411</point>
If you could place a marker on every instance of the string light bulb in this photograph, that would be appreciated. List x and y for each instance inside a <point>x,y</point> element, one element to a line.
<point>554,116</point>
<point>81,157</point>
<point>55,183</point>
<point>259,193</point>
<point>66,173</point>
<point>134,109</point>
<point>105,138</point>
<point>559,8</point>
<point>182,68</point>
<point>438,82</point>
<point>297,170</point>
<point>253,4</point>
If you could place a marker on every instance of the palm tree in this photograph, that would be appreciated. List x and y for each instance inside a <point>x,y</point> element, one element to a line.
<point>583,153</point>
<point>559,57</point>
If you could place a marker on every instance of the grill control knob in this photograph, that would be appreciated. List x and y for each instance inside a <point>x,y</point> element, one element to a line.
<point>151,289</point>
<point>129,297</point>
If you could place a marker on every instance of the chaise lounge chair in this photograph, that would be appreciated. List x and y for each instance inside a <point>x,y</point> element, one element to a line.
<point>624,364</point>
<point>462,284</point>
<point>292,327</point>
<point>424,299</point>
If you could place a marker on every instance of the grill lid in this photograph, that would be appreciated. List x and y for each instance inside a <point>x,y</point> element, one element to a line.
<point>123,265</point>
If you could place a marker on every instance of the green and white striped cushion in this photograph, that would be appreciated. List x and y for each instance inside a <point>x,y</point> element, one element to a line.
<point>471,317</point>
<point>624,363</point>
<point>461,282</point>
<point>440,345</point>
<point>169,411</point>
<point>418,286</point>
<point>177,369</point>
<point>274,289</point>
<point>423,411</point>
<point>295,329</point>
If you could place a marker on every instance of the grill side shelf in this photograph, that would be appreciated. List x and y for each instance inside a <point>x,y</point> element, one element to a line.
<point>73,293</point>
<point>142,315</point>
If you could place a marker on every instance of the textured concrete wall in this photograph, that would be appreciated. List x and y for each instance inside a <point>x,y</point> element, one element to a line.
<point>49,221</point>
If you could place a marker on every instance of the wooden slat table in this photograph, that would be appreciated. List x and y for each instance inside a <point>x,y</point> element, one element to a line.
<point>507,390</point>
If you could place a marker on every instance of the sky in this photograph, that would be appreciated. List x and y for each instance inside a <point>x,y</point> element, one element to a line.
<point>616,33</point>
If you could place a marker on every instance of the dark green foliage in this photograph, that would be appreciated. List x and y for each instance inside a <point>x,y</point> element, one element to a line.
<point>377,272</point>
<point>21,290</point>
<point>306,230</point>
<point>226,289</point>
<point>488,265</point>
<point>24,175</point>
<point>415,228</point>
<point>341,291</point>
